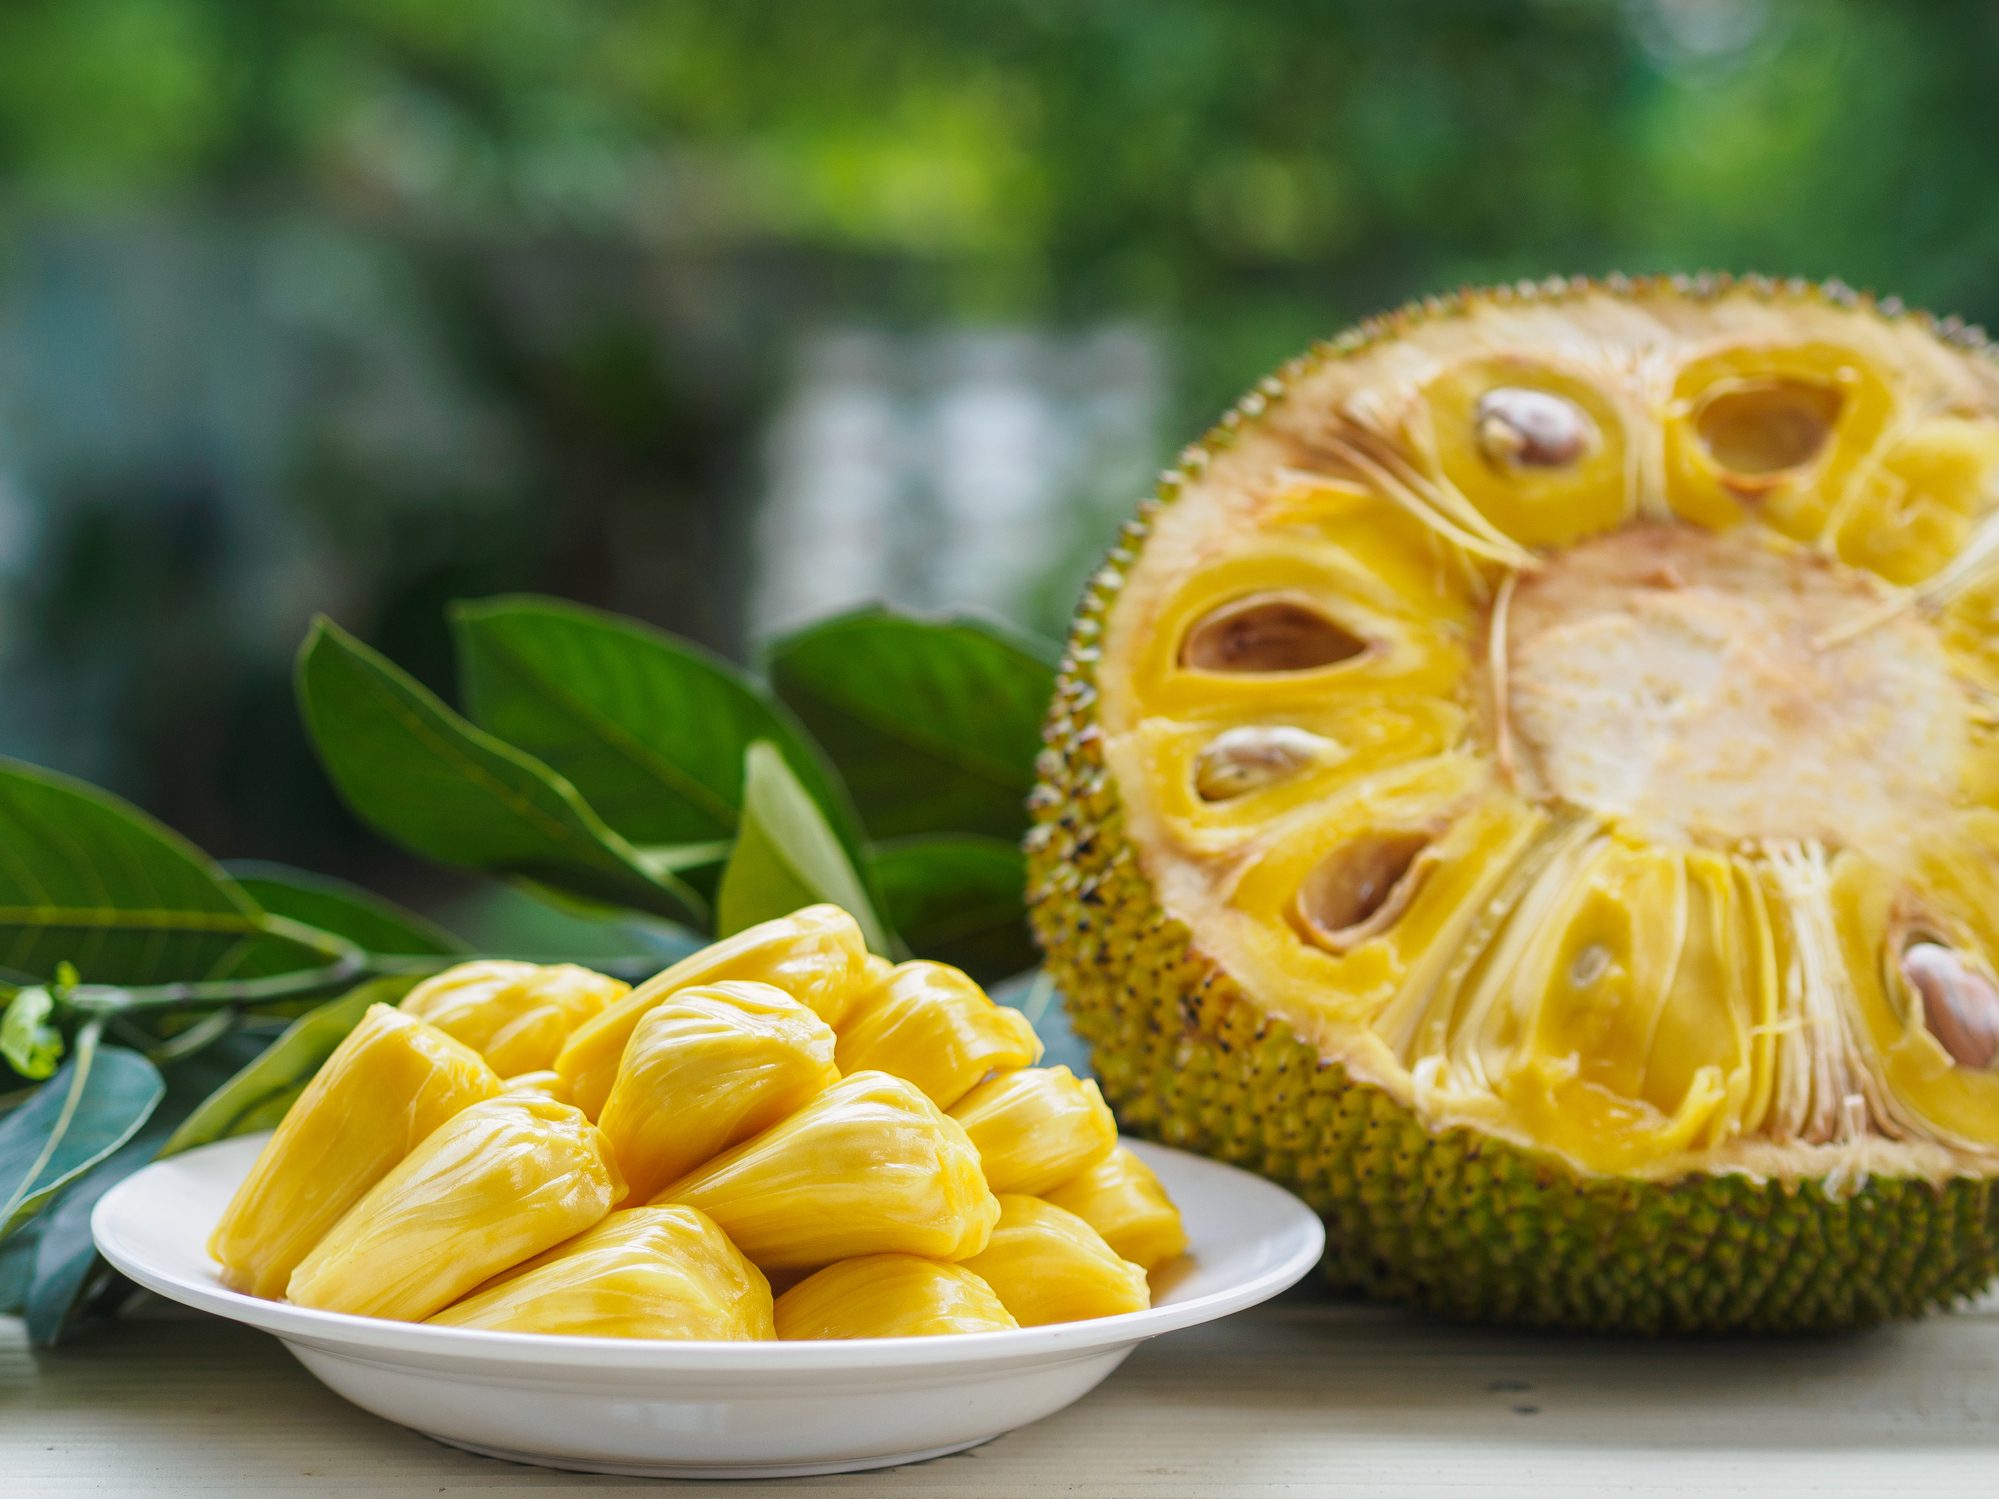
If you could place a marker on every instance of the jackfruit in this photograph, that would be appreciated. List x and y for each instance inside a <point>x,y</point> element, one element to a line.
<point>1527,783</point>
<point>491,1186</point>
<point>890,1296</point>
<point>390,1082</point>
<point>516,1015</point>
<point>546,1085</point>
<point>641,1273</point>
<point>1036,1127</point>
<point>1047,1265</point>
<point>869,1166</point>
<point>929,1023</point>
<point>1122,1200</point>
<point>816,955</point>
<point>707,1068</point>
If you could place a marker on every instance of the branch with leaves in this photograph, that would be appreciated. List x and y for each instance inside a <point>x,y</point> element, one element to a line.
<point>152,999</point>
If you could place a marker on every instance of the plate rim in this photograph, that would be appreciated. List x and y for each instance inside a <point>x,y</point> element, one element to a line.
<point>346,1333</point>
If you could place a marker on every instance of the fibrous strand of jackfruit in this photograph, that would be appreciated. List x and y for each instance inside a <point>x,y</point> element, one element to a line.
<point>930,1023</point>
<point>1047,1265</point>
<point>386,1087</point>
<point>1122,1200</point>
<point>890,1296</point>
<point>493,1185</point>
<point>647,1272</point>
<point>1036,1127</point>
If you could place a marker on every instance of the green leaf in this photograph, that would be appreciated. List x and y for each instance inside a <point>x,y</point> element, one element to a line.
<point>283,1068</point>
<point>650,729</point>
<point>88,879</point>
<point>367,920</point>
<point>959,900</point>
<point>934,724</point>
<point>31,1046</point>
<point>787,856</point>
<point>82,1114</point>
<point>423,777</point>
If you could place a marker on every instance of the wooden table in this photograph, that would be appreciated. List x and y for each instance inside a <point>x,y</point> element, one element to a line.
<point>1305,1396</point>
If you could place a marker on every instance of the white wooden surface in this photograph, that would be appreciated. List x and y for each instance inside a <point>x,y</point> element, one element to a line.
<point>1302,1397</point>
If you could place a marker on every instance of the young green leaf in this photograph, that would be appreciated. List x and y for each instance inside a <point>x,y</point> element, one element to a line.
<point>76,1119</point>
<point>933,724</point>
<point>423,777</point>
<point>650,729</point>
<point>786,856</point>
<point>87,879</point>
<point>30,1045</point>
<point>367,920</point>
<point>958,900</point>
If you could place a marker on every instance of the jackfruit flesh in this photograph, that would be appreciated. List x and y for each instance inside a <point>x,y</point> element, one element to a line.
<point>709,1067</point>
<point>890,1296</point>
<point>493,1185</point>
<point>386,1087</point>
<point>1036,1127</point>
<point>645,1272</point>
<point>869,1166</point>
<point>1122,1200</point>
<point>546,1085</point>
<point>930,1023</point>
<point>816,955</point>
<point>516,1015</point>
<point>1530,784</point>
<point>1047,1265</point>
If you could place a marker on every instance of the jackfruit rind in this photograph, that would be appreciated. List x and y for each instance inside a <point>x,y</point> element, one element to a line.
<point>816,955</point>
<point>1036,1127</point>
<point>391,1081</point>
<point>930,1023</point>
<point>870,1166</point>
<point>516,1015</point>
<point>493,1185</point>
<point>889,1296</point>
<point>1816,1197</point>
<point>707,1068</point>
<point>1122,1200</point>
<point>647,1272</point>
<point>1047,1265</point>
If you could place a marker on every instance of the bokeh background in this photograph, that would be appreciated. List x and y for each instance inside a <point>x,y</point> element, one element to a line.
<point>725,313</point>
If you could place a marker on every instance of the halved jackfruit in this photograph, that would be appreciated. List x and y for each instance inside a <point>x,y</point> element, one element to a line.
<point>816,955</point>
<point>929,1023</point>
<point>1047,1265</point>
<point>389,1083</point>
<point>491,1186</point>
<point>1036,1127</point>
<point>870,1166</point>
<point>709,1067</point>
<point>647,1272</point>
<point>890,1296</point>
<point>1122,1200</point>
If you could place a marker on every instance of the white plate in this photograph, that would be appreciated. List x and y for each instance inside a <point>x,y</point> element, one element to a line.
<point>713,1410</point>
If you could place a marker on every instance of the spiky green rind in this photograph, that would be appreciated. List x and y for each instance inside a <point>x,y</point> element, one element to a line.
<point>1448,1221</point>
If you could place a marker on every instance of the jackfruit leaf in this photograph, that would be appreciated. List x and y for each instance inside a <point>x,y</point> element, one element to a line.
<point>652,730</point>
<point>423,777</point>
<point>363,918</point>
<point>17,1267</point>
<point>101,1095</point>
<point>787,856</point>
<point>93,881</point>
<point>933,724</point>
<point>29,1044</point>
<point>280,1072</point>
<point>958,900</point>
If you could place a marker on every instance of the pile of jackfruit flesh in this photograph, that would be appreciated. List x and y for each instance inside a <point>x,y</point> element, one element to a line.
<point>1576,718</point>
<point>527,1148</point>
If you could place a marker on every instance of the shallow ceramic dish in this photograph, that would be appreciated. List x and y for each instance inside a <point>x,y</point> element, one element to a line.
<point>714,1410</point>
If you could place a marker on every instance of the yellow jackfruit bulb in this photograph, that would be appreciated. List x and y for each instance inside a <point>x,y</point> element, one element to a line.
<point>1036,1127</point>
<point>494,1184</point>
<point>815,955</point>
<point>1047,1265</point>
<point>547,1085</point>
<point>706,1069</point>
<point>890,1296</point>
<point>516,1015</point>
<point>641,1273</point>
<point>391,1082</point>
<point>870,1166</point>
<point>1122,1200</point>
<point>930,1023</point>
